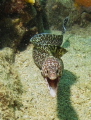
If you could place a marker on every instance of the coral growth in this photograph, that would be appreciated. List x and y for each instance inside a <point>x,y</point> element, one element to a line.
<point>85,3</point>
<point>15,6</point>
<point>10,85</point>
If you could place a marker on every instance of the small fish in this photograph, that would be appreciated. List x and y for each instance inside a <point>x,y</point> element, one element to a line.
<point>30,1</point>
<point>65,24</point>
<point>47,39</point>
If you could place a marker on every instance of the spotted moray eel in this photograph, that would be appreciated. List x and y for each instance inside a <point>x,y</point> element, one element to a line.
<point>47,56</point>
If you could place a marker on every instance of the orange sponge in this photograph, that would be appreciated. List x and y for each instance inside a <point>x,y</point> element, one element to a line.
<point>85,3</point>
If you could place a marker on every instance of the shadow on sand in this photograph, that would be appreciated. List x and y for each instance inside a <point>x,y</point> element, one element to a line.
<point>64,107</point>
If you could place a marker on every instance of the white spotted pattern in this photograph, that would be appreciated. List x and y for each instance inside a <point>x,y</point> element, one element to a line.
<point>52,67</point>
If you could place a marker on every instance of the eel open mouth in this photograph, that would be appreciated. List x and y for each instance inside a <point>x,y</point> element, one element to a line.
<point>52,85</point>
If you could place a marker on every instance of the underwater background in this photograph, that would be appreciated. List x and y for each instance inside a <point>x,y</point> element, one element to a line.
<point>23,92</point>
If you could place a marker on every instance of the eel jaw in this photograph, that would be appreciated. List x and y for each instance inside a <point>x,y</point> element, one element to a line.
<point>52,86</point>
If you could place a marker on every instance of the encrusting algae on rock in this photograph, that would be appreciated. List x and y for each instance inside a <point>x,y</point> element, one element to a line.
<point>46,54</point>
<point>85,3</point>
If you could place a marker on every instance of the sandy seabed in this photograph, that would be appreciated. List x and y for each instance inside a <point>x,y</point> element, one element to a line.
<point>73,101</point>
